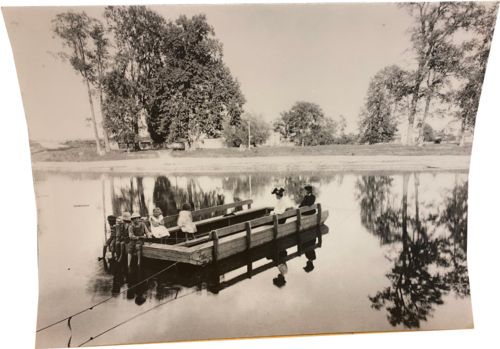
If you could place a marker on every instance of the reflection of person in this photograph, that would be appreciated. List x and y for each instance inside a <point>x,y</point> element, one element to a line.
<point>137,231</point>
<point>311,256</point>
<point>282,203</point>
<point>308,200</point>
<point>279,281</point>
<point>185,221</point>
<point>158,229</point>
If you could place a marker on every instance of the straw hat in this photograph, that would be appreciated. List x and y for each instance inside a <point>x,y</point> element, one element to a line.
<point>126,216</point>
<point>135,215</point>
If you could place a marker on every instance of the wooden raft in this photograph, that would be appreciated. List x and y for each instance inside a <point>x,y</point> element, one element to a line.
<point>228,241</point>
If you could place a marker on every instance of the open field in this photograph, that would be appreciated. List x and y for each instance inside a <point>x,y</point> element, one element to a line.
<point>85,151</point>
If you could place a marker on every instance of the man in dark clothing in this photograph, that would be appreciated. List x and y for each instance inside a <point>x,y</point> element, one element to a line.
<point>308,200</point>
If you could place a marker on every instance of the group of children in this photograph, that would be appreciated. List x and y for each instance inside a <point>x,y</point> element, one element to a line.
<point>128,232</point>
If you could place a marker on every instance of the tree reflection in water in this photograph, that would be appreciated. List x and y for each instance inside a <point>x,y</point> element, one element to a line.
<point>167,197</point>
<point>429,261</point>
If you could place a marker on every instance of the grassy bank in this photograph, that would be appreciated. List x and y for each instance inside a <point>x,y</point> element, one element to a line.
<point>85,151</point>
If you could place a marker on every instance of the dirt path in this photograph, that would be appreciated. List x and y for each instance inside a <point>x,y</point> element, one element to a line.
<point>377,163</point>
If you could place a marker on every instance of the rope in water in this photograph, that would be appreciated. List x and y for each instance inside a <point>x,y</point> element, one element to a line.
<point>104,300</point>
<point>134,317</point>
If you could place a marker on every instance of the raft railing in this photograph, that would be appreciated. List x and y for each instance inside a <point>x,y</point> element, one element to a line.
<point>255,223</point>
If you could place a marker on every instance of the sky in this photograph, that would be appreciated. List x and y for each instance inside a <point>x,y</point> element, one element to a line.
<point>280,54</point>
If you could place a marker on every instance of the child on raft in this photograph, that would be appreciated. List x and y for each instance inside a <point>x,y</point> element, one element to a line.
<point>185,221</point>
<point>137,232</point>
<point>158,229</point>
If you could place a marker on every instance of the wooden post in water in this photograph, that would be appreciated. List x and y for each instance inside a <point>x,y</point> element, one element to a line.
<point>318,222</point>
<point>248,229</point>
<point>275,237</point>
<point>318,226</point>
<point>299,227</point>
<point>215,251</point>
<point>275,227</point>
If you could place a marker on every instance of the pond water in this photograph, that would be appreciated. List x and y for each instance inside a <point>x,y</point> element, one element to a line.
<point>394,258</point>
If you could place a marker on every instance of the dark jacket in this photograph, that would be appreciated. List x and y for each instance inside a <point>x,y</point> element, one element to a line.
<point>308,200</point>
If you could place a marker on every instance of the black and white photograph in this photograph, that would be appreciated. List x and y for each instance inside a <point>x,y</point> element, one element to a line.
<point>250,170</point>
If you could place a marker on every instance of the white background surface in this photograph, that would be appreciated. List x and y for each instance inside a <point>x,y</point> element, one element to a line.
<point>18,263</point>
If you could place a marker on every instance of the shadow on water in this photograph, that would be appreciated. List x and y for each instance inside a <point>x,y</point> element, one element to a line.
<point>431,248</point>
<point>212,277</point>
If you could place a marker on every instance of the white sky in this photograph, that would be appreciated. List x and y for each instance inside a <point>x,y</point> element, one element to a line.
<point>280,54</point>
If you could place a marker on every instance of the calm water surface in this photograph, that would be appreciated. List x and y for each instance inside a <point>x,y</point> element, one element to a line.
<point>394,258</point>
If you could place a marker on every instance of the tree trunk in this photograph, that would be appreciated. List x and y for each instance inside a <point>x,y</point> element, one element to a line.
<point>462,134</point>
<point>94,122</point>
<point>414,101</point>
<point>104,131</point>
<point>420,139</point>
<point>137,146</point>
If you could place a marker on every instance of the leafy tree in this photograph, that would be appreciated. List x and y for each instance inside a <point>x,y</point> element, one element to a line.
<point>75,30</point>
<point>386,89</point>
<point>199,93</point>
<point>236,135</point>
<point>139,35</point>
<point>442,65</point>
<point>306,124</point>
<point>432,38</point>
<point>176,74</point>
<point>120,108</point>
<point>473,67</point>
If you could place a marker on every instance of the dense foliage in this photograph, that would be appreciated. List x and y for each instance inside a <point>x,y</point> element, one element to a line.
<point>306,124</point>
<point>173,72</point>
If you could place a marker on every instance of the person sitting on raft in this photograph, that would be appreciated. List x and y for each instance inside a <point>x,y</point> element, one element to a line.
<point>122,239</point>
<point>158,229</point>
<point>137,232</point>
<point>110,243</point>
<point>308,200</point>
<point>185,221</point>
<point>282,203</point>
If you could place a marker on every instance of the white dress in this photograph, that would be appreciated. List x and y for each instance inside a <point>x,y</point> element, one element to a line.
<point>185,222</point>
<point>281,205</point>
<point>158,228</point>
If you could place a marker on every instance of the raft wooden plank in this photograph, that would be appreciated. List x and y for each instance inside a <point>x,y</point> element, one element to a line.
<point>236,243</point>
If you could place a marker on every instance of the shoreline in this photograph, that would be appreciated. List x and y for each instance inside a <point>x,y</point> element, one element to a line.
<point>303,163</point>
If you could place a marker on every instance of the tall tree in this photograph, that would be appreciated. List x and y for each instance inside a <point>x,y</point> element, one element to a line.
<point>378,122</point>
<point>435,25</point>
<point>473,66</point>
<point>139,35</point>
<point>442,66</point>
<point>175,74</point>
<point>197,93</point>
<point>74,29</point>
<point>99,56</point>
